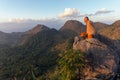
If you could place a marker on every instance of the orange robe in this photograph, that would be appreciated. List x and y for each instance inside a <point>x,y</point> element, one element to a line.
<point>90,30</point>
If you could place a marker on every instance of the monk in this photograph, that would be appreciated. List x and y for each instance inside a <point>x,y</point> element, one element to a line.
<point>90,30</point>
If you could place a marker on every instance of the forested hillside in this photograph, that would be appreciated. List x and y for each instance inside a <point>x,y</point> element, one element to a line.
<point>38,54</point>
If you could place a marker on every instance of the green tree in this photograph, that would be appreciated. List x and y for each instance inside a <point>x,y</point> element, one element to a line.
<point>71,65</point>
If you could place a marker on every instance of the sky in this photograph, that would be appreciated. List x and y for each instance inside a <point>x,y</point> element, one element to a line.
<point>21,15</point>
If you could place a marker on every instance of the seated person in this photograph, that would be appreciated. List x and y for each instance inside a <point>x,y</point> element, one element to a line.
<point>90,30</point>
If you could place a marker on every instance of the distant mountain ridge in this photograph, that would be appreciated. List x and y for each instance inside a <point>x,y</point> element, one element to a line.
<point>36,29</point>
<point>71,28</point>
<point>9,39</point>
<point>26,35</point>
<point>99,25</point>
<point>73,25</point>
<point>113,31</point>
<point>36,52</point>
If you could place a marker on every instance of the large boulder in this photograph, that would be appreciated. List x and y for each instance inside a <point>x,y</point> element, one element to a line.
<point>100,59</point>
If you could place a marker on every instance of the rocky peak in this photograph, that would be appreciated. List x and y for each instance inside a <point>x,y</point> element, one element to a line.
<point>99,25</point>
<point>73,22</point>
<point>73,25</point>
<point>116,23</point>
<point>28,34</point>
<point>72,28</point>
<point>1,32</point>
<point>36,29</point>
<point>101,61</point>
<point>113,32</point>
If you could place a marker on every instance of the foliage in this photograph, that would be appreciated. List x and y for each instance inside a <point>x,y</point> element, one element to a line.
<point>71,64</point>
<point>36,59</point>
<point>30,60</point>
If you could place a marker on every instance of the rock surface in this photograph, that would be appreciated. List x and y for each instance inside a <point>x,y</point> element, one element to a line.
<point>100,60</point>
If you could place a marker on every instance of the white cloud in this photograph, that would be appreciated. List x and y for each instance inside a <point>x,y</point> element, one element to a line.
<point>103,11</point>
<point>20,20</point>
<point>75,13</point>
<point>69,12</point>
<point>99,12</point>
<point>21,25</point>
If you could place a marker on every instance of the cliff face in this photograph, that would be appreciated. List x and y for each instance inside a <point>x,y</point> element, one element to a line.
<point>101,61</point>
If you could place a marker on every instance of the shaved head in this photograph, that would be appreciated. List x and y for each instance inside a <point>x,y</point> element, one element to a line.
<point>86,19</point>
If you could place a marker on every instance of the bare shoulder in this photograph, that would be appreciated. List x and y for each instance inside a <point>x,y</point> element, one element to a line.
<point>89,22</point>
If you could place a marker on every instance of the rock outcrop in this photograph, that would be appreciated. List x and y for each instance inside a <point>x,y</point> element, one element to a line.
<point>101,61</point>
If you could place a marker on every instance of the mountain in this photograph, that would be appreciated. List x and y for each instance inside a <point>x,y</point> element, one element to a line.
<point>36,29</point>
<point>12,39</point>
<point>36,52</point>
<point>35,57</point>
<point>26,35</point>
<point>9,39</point>
<point>99,25</point>
<point>113,31</point>
<point>72,28</point>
